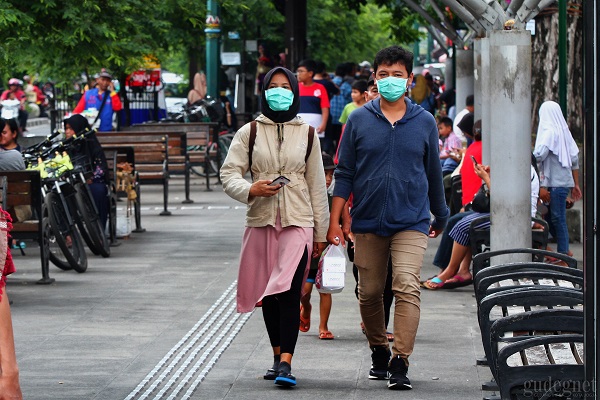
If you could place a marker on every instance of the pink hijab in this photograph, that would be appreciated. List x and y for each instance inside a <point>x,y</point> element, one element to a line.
<point>199,90</point>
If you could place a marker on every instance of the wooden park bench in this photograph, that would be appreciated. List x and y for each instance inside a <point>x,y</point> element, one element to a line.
<point>151,154</point>
<point>23,188</point>
<point>199,136</point>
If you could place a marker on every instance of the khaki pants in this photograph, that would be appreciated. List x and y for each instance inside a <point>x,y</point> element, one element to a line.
<point>372,252</point>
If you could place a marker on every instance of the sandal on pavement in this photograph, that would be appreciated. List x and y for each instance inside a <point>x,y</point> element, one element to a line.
<point>457,281</point>
<point>428,279</point>
<point>438,284</point>
<point>326,335</point>
<point>284,377</point>
<point>272,373</point>
<point>390,336</point>
<point>304,322</point>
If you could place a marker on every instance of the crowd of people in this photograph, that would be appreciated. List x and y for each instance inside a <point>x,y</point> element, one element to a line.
<point>382,207</point>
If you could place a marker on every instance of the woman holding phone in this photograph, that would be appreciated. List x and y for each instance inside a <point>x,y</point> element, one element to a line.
<point>286,223</point>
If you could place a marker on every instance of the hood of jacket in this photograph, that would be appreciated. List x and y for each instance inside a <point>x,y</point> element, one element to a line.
<point>412,110</point>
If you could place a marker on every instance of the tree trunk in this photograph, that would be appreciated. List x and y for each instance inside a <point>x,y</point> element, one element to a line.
<point>544,85</point>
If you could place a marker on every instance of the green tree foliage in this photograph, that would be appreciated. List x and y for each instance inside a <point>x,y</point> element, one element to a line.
<point>60,39</point>
<point>339,34</point>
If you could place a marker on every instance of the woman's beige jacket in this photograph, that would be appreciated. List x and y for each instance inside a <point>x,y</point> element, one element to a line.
<point>279,149</point>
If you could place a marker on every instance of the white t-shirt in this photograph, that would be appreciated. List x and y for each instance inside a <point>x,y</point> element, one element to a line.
<point>455,127</point>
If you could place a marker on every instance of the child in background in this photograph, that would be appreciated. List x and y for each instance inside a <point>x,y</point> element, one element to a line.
<point>450,154</point>
<point>325,298</point>
<point>361,93</point>
<point>359,88</point>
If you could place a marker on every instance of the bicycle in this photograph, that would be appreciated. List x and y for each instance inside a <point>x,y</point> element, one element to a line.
<point>216,154</point>
<point>69,203</point>
<point>66,249</point>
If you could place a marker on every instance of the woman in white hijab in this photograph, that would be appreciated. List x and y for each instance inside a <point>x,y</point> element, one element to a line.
<point>557,156</point>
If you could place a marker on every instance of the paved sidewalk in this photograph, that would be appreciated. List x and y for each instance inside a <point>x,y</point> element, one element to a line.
<point>156,319</point>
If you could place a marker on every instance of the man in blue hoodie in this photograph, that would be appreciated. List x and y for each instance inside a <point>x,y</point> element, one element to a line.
<point>389,161</point>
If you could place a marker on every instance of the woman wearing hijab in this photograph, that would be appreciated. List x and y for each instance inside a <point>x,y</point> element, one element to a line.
<point>557,155</point>
<point>199,90</point>
<point>421,94</point>
<point>285,224</point>
<point>91,148</point>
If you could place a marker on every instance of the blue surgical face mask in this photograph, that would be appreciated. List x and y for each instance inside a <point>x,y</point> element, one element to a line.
<point>279,99</point>
<point>392,88</point>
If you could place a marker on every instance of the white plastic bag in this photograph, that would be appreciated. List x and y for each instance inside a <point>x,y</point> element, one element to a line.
<point>123,224</point>
<point>332,270</point>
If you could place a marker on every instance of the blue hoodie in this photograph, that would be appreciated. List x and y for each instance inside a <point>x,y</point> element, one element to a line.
<point>393,170</point>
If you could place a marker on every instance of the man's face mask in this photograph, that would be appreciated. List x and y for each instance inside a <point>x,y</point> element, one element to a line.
<point>392,88</point>
<point>279,99</point>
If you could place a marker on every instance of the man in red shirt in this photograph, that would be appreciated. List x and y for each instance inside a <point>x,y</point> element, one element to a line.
<point>314,102</point>
<point>95,99</point>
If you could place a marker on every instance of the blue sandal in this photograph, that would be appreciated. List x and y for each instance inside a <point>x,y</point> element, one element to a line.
<point>439,284</point>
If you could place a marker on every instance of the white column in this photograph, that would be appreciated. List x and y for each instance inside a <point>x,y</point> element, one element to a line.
<point>510,97</point>
<point>464,77</point>
<point>485,104</point>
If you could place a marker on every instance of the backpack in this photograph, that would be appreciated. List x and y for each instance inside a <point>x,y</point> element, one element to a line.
<point>252,139</point>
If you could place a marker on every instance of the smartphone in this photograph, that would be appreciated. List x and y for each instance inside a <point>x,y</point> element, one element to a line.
<point>474,160</point>
<point>280,180</point>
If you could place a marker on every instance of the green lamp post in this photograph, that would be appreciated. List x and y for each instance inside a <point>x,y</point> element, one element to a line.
<point>213,33</point>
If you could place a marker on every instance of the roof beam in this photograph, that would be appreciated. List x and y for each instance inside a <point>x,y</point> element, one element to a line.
<point>419,10</point>
<point>542,4</point>
<point>465,15</point>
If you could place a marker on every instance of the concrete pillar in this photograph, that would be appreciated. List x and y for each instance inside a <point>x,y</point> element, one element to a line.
<point>464,77</point>
<point>449,73</point>
<point>510,95</point>
<point>477,77</point>
<point>485,105</point>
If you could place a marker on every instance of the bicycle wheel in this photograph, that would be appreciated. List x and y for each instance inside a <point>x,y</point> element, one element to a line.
<point>65,235</point>
<point>89,222</point>
<point>55,253</point>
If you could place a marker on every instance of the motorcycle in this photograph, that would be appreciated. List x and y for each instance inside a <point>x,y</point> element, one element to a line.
<point>205,110</point>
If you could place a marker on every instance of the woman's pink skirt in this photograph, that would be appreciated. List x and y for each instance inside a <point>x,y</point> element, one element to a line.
<point>268,261</point>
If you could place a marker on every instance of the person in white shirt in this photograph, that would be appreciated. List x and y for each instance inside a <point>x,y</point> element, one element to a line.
<point>470,107</point>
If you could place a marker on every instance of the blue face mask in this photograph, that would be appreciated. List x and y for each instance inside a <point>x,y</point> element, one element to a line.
<point>392,88</point>
<point>279,99</point>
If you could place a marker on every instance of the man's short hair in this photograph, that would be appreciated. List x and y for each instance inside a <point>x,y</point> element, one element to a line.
<point>392,55</point>
<point>446,121</point>
<point>310,65</point>
<point>470,100</point>
<point>360,85</point>
<point>371,82</point>
<point>320,68</point>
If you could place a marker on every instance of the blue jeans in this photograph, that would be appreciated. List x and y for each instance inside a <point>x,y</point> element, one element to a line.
<point>557,218</point>
<point>444,251</point>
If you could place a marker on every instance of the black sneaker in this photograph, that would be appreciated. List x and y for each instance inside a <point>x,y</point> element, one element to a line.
<point>380,357</point>
<point>285,377</point>
<point>398,370</point>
